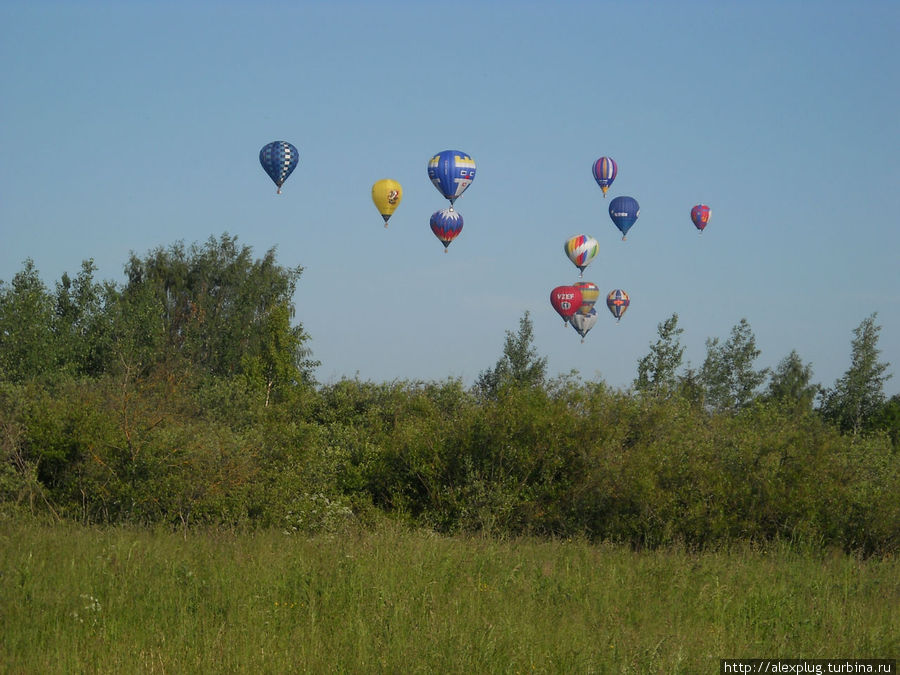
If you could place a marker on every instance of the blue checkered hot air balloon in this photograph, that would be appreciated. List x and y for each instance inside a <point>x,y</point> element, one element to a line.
<point>451,171</point>
<point>624,211</point>
<point>279,159</point>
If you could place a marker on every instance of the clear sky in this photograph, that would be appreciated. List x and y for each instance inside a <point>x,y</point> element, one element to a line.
<point>125,126</point>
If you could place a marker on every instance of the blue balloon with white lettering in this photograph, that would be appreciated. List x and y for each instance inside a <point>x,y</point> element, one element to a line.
<point>624,211</point>
<point>451,171</point>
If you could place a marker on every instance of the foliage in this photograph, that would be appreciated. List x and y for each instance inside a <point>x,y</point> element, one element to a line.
<point>790,384</point>
<point>27,344</point>
<point>520,364</point>
<point>657,371</point>
<point>858,396</point>
<point>728,376</point>
<point>221,311</point>
<point>888,420</point>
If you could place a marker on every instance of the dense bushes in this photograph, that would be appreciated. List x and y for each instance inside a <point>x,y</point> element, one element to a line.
<point>566,459</point>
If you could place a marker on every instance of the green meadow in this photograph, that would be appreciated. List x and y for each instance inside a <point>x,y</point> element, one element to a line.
<point>396,599</point>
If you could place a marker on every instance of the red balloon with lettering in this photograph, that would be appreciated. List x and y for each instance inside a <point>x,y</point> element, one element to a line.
<point>566,300</point>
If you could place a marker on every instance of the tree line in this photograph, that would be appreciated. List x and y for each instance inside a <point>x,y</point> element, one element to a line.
<point>186,396</point>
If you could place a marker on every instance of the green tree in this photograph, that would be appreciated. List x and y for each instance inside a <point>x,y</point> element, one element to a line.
<point>27,342</point>
<point>790,384</point>
<point>728,374</point>
<point>81,322</point>
<point>520,364</point>
<point>657,370</point>
<point>858,396</point>
<point>888,419</point>
<point>219,310</point>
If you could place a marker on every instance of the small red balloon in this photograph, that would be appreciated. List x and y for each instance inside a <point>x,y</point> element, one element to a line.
<point>566,300</point>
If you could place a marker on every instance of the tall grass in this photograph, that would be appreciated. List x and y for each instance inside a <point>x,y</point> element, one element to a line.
<point>122,600</point>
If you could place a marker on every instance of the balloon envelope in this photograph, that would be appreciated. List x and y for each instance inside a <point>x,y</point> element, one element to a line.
<point>279,159</point>
<point>451,171</point>
<point>624,211</point>
<point>446,225</point>
<point>605,170</point>
<point>581,249</point>
<point>700,215</point>
<point>618,302</point>
<point>387,194</point>
<point>582,323</point>
<point>590,292</point>
<point>565,300</point>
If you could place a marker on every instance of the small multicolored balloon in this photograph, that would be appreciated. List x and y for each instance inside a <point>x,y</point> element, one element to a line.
<point>590,293</point>
<point>565,300</point>
<point>605,170</point>
<point>618,302</point>
<point>581,249</point>
<point>279,159</point>
<point>446,225</point>
<point>700,216</point>
<point>451,171</point>
<point>624,211</point>
<point>582,323</point>
<point>387,194</point>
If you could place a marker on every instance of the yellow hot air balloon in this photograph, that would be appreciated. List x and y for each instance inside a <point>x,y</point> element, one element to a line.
<point>387,194</point>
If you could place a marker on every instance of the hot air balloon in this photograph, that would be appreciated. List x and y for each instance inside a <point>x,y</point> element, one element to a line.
<point>565,300</point>
<point>700,215</point>
<point>279,159</point>
<point>583,322</point>
<point>387,194</point>
<point>581,249</point>
<point>618,302</point>
<point>605,170</point>
<point>446,225</point>
<point>451,171</point>
<point>624,211</point>
<point>590,292</point>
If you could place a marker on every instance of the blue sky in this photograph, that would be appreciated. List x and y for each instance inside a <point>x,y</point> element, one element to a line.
<point>125,126</point>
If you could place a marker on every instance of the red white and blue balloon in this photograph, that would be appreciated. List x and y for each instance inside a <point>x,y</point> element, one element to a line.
<point>446,225</point>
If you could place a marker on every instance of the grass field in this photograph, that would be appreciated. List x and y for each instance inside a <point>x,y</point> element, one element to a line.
<point>126,601</point>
